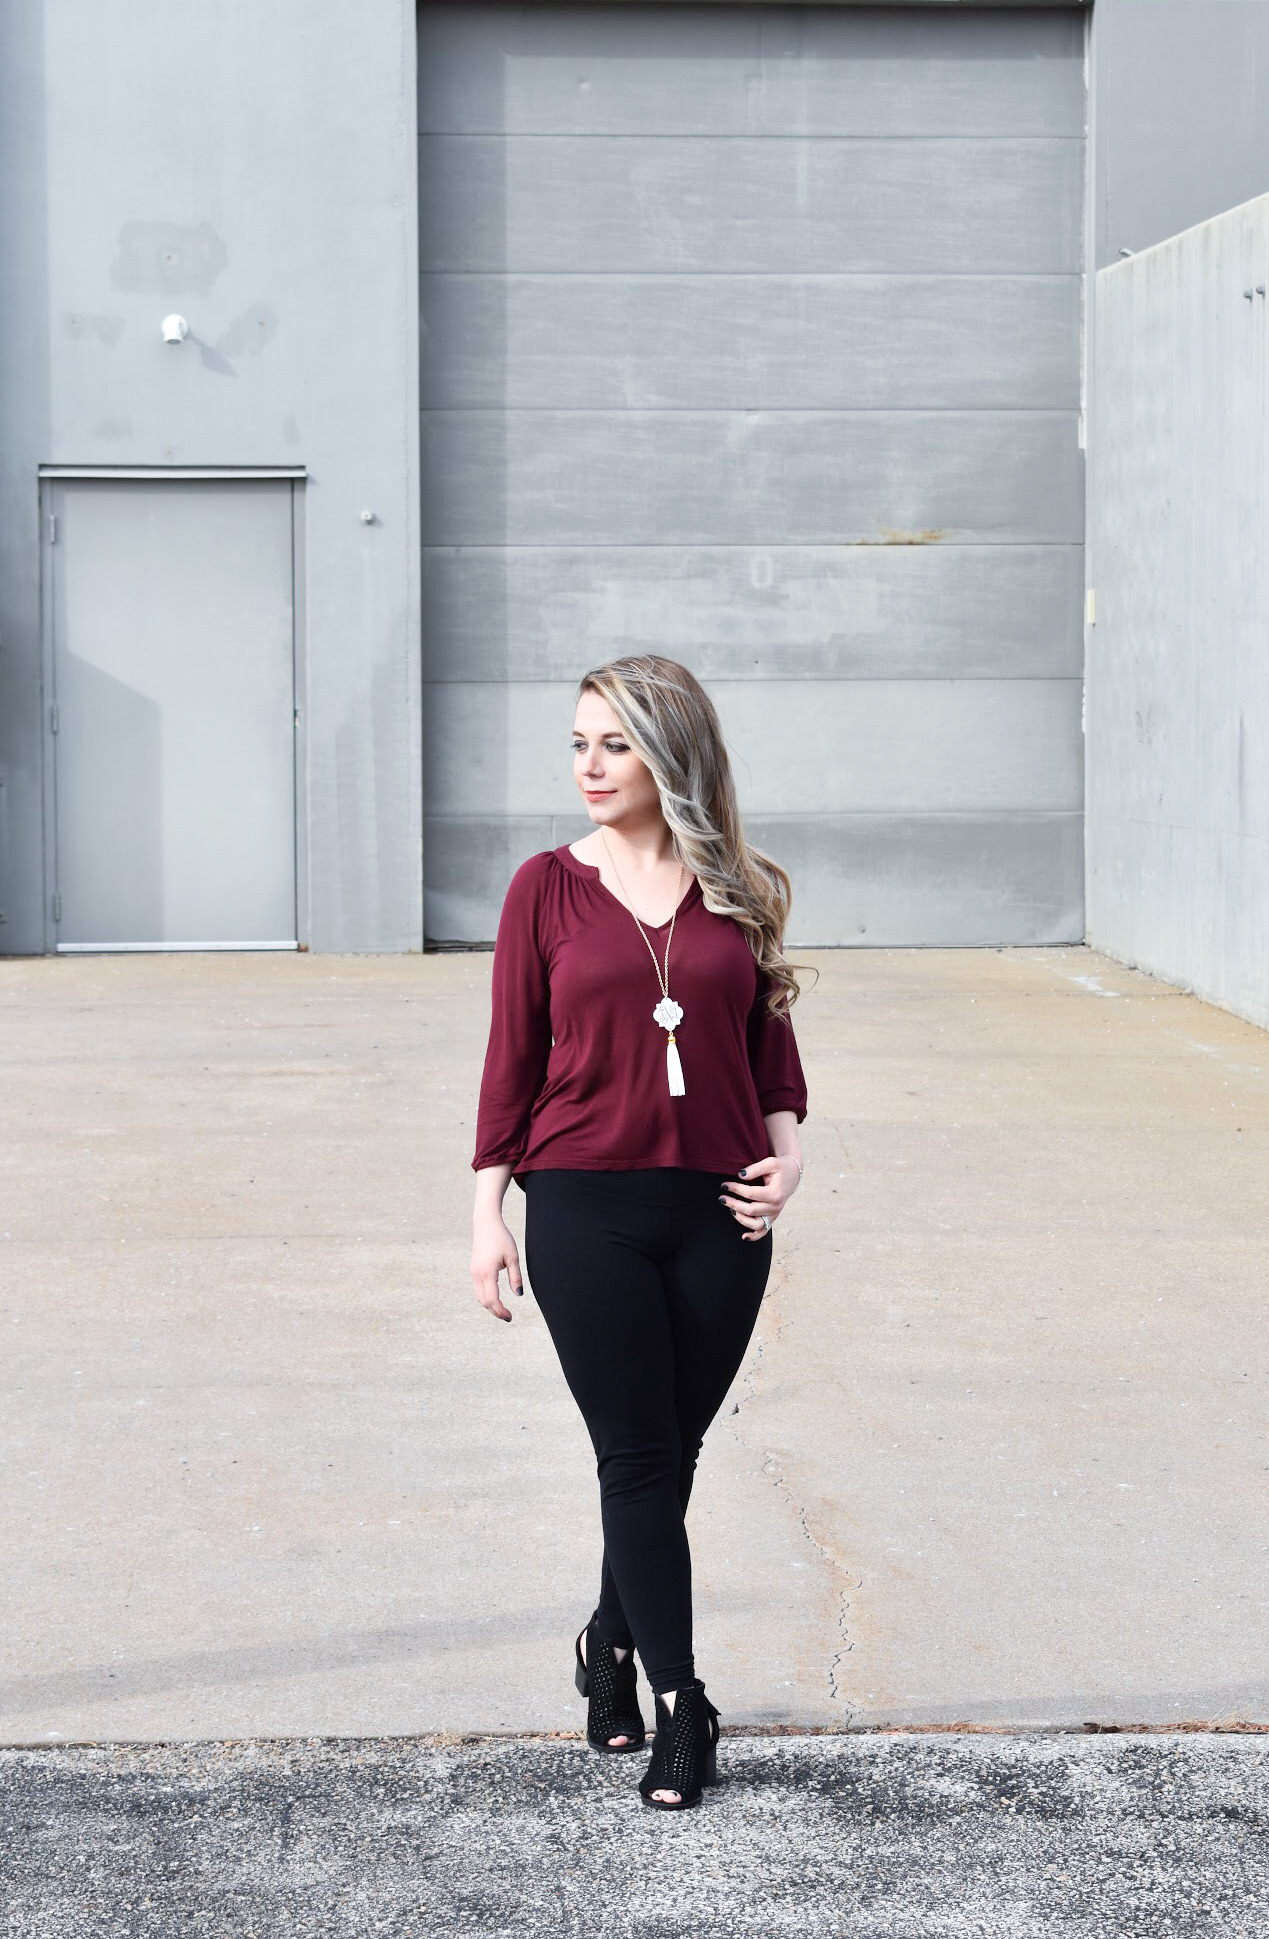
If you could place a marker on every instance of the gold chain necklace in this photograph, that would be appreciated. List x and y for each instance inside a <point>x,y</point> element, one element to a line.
<point>668,1014</point>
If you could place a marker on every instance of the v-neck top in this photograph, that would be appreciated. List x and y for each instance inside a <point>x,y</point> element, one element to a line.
<point>575,1072</point>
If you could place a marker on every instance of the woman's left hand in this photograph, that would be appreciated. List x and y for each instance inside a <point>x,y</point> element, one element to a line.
<point>766,1186</point>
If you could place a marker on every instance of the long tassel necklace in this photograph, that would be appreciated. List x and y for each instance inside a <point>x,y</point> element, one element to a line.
<point>668,1014</point>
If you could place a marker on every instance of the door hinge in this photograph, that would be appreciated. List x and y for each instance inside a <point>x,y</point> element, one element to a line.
<point>52,528</point>
<point>53,718</point>
<point>57,908</point>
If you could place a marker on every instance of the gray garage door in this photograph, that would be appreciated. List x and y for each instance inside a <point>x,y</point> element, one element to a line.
<point>172,713</point>
<point>752,336</point>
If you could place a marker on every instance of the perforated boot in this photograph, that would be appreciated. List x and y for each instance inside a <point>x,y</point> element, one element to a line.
<point>685,1753</point>
<point>610,1685</point>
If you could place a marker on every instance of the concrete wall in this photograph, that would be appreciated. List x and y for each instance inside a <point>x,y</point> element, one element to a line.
<point>252,167</point>
<point>1177,812</point>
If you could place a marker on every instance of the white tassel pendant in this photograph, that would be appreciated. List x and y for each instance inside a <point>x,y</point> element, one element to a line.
<point>669,1015</point>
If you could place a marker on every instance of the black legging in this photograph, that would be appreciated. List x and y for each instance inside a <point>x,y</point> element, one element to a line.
<point>650,1293</point>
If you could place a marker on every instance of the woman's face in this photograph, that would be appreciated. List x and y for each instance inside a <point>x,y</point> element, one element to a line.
<point>615,784</point>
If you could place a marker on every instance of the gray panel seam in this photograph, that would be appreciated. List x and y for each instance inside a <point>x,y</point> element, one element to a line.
<point>780,276</point>
<point>806,680</point>
<point>754,815</point>
<point>688,546</point>
<point>748,410</point>
<point>895,141</point>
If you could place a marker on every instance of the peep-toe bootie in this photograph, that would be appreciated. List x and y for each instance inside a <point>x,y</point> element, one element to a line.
<point>685,1753</point>
<point>610,1686</point>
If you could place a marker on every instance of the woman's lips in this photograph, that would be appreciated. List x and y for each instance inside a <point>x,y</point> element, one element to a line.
<point>599,794</point>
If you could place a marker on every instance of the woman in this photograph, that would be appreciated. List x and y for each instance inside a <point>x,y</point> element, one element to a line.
<point>642,1086</point>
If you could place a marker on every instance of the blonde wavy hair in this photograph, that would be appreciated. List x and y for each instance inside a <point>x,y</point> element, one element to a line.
<point>672,725</point>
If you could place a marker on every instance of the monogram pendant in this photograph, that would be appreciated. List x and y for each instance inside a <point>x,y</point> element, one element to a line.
<point>668,1013</point>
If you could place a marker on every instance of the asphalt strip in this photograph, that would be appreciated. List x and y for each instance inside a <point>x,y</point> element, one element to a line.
<point>919,1835</point>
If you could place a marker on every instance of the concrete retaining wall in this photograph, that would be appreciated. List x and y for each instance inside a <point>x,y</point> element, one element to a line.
<point>1177,702</point>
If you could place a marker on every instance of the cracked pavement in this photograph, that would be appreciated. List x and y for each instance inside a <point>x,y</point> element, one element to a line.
<point>998,1454</point>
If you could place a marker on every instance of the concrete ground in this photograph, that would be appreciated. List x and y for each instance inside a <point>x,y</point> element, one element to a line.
<point>858,1837</point>
<point>998,1455</point>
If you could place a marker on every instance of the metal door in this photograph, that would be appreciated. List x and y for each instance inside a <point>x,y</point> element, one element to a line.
<point>751,335</point>
<point>171,717</point>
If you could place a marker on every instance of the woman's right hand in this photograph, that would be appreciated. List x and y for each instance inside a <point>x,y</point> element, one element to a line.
<point>493,1249</point>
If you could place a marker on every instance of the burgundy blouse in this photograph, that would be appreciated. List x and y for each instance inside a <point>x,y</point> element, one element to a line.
<point>571,966</point>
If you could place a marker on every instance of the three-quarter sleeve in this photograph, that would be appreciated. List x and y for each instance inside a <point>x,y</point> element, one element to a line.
<point>773,1057</point>
<point>519,1028</point>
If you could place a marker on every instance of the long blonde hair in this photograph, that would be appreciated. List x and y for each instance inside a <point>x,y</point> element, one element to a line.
<point>672,725</point>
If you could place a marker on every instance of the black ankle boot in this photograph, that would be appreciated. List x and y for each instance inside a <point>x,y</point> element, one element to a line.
<point>685,1754</point>
<point>610,1685</point>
